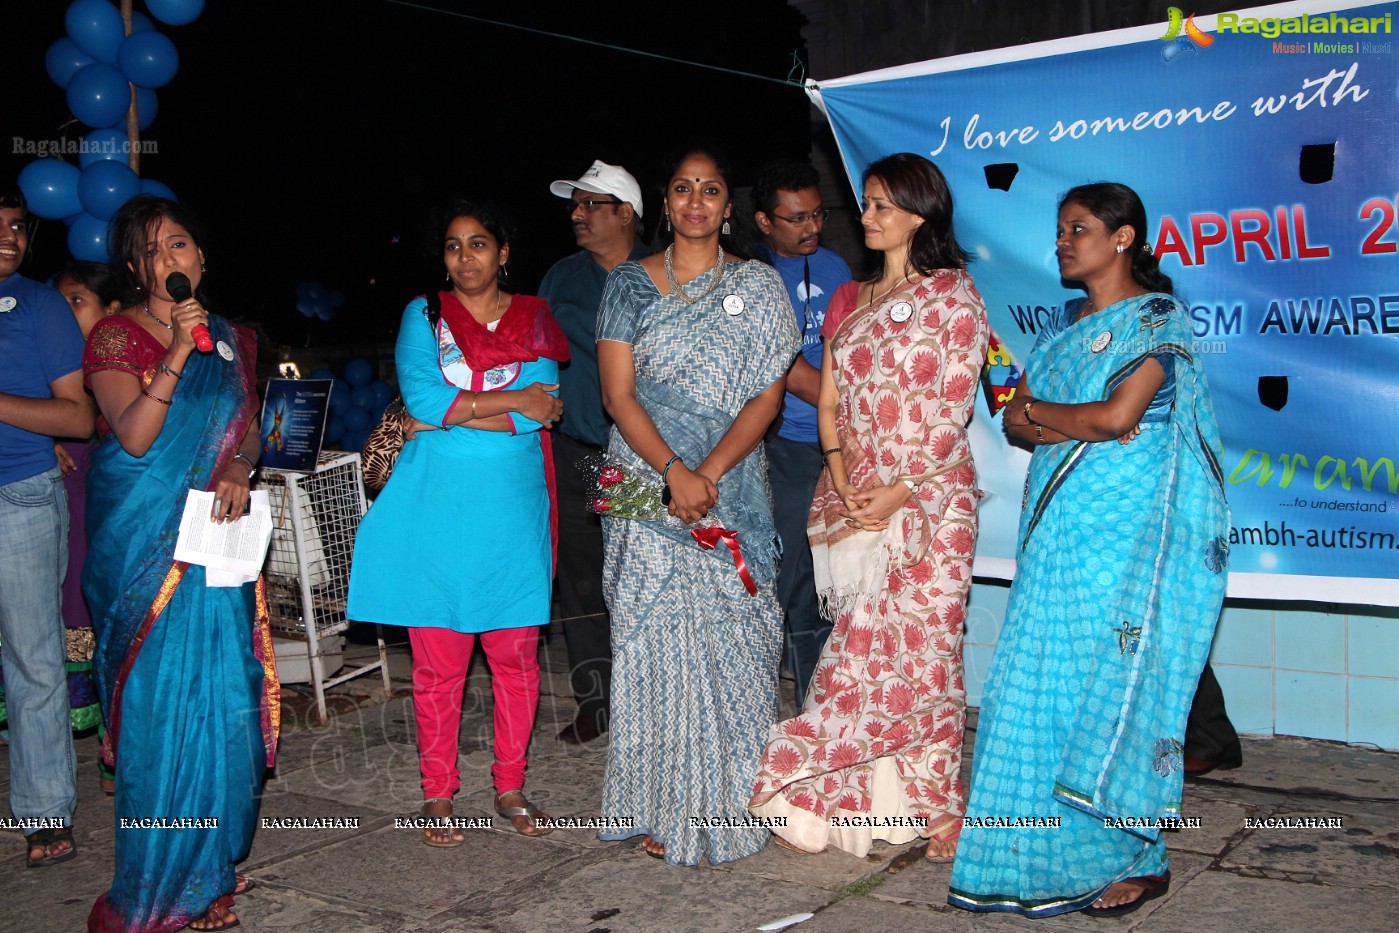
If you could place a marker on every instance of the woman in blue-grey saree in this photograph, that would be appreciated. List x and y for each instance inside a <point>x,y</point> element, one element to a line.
<point>1121,574</point>
<point>693,349</point>
<point>184,663</point>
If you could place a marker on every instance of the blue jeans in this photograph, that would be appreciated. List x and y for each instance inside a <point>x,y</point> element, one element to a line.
<point>793,469</point>
<point>33,561</point>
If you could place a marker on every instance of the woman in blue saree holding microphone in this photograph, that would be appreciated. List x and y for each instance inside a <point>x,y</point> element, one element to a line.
<point>1121,576</point>
<point>185,668</point>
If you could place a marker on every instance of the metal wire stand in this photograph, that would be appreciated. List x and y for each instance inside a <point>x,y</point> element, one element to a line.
<point>314,520</point>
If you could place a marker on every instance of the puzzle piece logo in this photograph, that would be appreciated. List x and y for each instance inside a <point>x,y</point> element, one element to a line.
<point>999,376</point>
<point>1177,43</point>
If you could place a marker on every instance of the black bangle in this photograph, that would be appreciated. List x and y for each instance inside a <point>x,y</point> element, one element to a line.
<point>666,469</point>
<point>827,453</point>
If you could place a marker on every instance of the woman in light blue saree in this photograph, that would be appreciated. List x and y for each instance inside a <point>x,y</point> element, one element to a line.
<point>185,670</point>
<point>693,350</point>
<point>1120,579</point>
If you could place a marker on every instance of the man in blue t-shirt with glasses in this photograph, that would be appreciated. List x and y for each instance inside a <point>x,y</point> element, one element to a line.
<point>788,212</point>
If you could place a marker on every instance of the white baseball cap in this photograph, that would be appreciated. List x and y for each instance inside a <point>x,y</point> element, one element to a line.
<point>602,178</point>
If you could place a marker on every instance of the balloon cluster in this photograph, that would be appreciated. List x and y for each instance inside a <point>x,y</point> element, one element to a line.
<point>357,402</point>
<point>101,67</point>
<point>314,301</point>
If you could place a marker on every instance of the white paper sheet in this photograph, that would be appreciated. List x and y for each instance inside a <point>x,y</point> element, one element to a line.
<point>232,553</point>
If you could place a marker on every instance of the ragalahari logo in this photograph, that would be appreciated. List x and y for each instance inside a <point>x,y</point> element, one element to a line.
<point>1177,43</point>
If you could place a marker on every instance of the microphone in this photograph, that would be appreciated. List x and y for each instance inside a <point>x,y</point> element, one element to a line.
<point>178,288</point>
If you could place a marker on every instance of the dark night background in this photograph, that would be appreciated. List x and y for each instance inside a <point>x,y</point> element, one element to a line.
<point>313,137</point>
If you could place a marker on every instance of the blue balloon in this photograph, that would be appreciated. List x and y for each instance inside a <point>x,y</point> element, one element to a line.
<point>316,291</point>
<point>158,188</point>
<point>356,418</point>
<point>148,59</point>
<point>322,373</point>
<point>64,59</point>
<point>95,26</point>
<point>87,238</point>
<point>101,145</point>
<point>146,109</point>
<point>362,397</point>
<point>334,429</point>
<point>99,95</point>
<point>50,186</point>
<point>342,389</point>
<point>175,12</point>
<point>105,186</point>
<point>359,371</point>
<point>383,393</point>
<point>305,308</point>
<point>140,22</point>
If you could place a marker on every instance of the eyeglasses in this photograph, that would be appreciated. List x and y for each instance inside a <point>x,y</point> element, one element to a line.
<point>589,205</point>
<point>802,220</point>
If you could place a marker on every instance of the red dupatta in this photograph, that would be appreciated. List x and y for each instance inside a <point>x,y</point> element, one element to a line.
<point>526,332</point>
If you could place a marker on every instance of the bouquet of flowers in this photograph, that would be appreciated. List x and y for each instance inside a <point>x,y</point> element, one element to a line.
<point>621,493</point>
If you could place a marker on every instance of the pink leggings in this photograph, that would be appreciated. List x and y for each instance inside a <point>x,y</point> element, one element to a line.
<point>440,661</point>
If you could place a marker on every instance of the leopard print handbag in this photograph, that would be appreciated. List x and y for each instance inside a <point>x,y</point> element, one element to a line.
<point>385,442</point>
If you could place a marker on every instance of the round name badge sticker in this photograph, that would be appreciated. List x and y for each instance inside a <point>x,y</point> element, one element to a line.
<point>225,351</point>
<point>733,304</point>
<point>8,303</point>
<point>1100,342</point>
<point>900,312</point>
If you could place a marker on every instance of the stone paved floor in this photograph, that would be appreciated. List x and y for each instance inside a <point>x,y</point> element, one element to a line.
<point>376,877</point>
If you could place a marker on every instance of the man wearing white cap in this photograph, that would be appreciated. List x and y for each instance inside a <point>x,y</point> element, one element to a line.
<point>605,209</point>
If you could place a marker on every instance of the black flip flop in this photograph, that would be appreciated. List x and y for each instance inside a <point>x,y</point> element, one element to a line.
<point>45,838</point>
<point>1153,887</point>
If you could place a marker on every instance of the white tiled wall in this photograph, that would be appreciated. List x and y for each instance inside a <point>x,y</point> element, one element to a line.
<point>1319,670</point>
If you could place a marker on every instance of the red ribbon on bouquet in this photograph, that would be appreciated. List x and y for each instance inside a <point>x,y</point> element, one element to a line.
<point>710,537</point>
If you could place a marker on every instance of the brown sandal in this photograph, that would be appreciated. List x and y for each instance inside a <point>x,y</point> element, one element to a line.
<point>220,913</point>
<point>939,836</point>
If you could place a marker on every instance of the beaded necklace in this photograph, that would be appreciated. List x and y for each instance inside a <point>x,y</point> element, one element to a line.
<point>155,317</point>
<point>674,283</point>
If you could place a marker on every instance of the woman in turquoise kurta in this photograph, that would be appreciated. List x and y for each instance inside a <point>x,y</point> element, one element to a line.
<point>1119,583</point>
<point>458,545</point>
